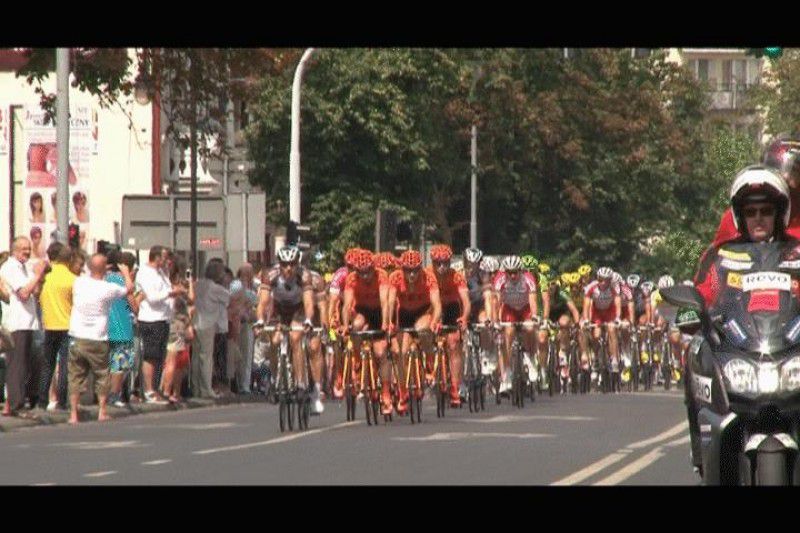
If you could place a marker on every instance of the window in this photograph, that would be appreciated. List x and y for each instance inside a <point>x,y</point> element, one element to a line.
<point>740,74</point>
<point>702,69</point>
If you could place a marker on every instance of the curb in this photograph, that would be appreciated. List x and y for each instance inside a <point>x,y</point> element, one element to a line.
<point>88,413</point>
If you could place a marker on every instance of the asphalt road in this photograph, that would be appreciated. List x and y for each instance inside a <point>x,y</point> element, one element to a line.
<point>628,439</point>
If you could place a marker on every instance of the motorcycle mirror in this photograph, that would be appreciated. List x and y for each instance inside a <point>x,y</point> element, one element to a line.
<point>684,296</point>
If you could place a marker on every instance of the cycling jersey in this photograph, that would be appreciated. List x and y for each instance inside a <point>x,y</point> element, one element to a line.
<point>640,299</point>
<point>417,297</point>
<point>559,304</point>
<point>514,294</point>
<point>317,285</point>
<point>449,285</point>
<point>287,294</point>
<point>603,298</point>
<point>477,284</point>
<point>663,309</point>
<point>626,295</point>
<point>337,281</point>
<point>367,293</point>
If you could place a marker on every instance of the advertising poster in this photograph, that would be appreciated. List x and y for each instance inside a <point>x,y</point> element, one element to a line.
<point>40,186</point>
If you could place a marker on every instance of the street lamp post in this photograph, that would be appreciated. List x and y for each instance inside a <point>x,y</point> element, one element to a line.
<point>294,153</point>
<point>473,222</point>
<point>62,140</point>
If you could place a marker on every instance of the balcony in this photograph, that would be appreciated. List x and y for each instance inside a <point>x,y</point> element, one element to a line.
<point>728,96</point>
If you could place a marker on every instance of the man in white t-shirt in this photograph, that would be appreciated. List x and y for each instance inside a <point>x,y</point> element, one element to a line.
<point>92,297</point>
<point>23,282</point>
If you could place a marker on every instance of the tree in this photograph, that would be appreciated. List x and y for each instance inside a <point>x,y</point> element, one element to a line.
<point>779,93</point>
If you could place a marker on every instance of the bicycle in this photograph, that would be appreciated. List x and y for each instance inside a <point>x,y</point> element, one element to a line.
<point>441,369</point>
<point>646,358</point>
<point>414,368</point>
<point>369,382</point>
<point>474,378</point>
<point>635,359</point>
<point>288,392</point>
<point>519,371</point>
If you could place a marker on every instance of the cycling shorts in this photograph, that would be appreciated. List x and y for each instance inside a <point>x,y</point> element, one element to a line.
<point>450,313</point>
<point>509,314</point>
<point>372,316</point>
<point>408,319</point>
<point>608,315</point>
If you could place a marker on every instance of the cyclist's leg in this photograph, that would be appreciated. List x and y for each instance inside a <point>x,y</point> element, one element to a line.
<point>298,357</point>
<point>564,323</point>
<point>543,338</point>
<point>613,342</point>
<point>379,348</point>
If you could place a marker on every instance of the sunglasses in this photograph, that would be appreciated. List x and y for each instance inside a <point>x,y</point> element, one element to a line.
<point>411,270</point>
<point>512,272</point>
<point>751,212</point>
<point>438,264</point>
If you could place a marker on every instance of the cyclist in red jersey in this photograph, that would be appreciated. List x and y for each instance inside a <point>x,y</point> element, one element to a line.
<point>366,301</point>
<point>456,310</point>
<point>783,154</point>
<point>603,304</point>
<point>516,291</point>
<point>336,287</point>
<point>413,303</point>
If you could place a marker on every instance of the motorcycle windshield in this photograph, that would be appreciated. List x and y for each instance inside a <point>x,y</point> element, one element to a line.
<point>763,319</point>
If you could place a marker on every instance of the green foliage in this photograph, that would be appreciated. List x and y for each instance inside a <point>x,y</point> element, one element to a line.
<point>676,255</point>
<point>779,93</point>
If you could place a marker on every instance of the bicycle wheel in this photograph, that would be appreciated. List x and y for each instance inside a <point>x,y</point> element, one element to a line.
<point>412,395</point>
<point>376,408</point>
<point>306,412</point>
<point>368,407</point>
<point>348,393</point>
<point>290,413</point>
<point>482,391</point>
<point>282,412</point>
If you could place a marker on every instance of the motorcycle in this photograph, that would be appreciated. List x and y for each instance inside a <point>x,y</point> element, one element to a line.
<point>742,375</point>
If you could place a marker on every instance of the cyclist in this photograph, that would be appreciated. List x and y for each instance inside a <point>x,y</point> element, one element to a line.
<point>603,305</point>
<point>585,276</point>
<point>413,303</point>
<point>628,315</point>
<point>665,315</point>
<point>386,261</point>
<point>563,313</point>
<point>366,297</point>
<point>320,320</point>
<point>641,299</point>
<point>531,264</point>
<point>335,288</point>
<point>479,286</point>
<point>456,310</point>
<point>286,296</point>
<point>516,292</point>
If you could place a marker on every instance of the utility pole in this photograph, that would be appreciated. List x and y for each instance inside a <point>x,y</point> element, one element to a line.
<point>62,141</point>
<point>473,221</point>
<point>193,164</point>
<point>294,153</point>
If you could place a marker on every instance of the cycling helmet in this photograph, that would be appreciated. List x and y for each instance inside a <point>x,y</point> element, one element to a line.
<point>566,278</point>
<point>633,280</point>
<point>411,259</point>
<point>384,260</point>
<point>441,252</point>
<point>511,262</point>
<point>604,273</point>
<point>529,263</point>
<point>472,255</point>
<point>584,270</point>
<point>574,278</point>
<point>328,277</point>
<point>665,282</point>
<point>648,286</point>
<point>364,261</point>
<point>759,183</point>
<point>616,278</point>
<point>349,256</point>
<point>544,268</point>
<point>289,254</point>
<point>458,266</point>
<point>688,283</point>
<point>783,154</point>
<point>489,264</point>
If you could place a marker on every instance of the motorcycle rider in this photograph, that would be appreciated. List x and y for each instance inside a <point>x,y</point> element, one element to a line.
<point>760,206</point>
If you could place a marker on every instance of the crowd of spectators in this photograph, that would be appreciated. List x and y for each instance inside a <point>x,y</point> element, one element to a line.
<point>99,328</point>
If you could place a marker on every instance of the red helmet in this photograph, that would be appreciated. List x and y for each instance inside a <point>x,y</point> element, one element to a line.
<point>350,256</point>
<point>384,260</point>
<point>363,261</point>
<point>411,259</point>
<point>441,252</point>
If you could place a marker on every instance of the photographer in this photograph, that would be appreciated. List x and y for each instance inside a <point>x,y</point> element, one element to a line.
<point>120,327</point>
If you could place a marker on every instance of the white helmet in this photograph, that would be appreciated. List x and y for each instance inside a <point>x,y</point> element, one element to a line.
<point>633,280</point>
<point>458,266</point>
<point>665,282</point>
<point>288,254</point>
<point>616,278</point>
<point>511,262</point>
<point>688,283</point>
<point>755,183</point>
<point>648,286</point>
<point>472,255</point>
<point>605,273</point>
<point>489,264</point>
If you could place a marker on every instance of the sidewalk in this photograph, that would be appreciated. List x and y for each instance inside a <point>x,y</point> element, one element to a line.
<point>88,413</point>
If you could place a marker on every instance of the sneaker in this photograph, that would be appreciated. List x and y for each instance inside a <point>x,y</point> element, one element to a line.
<point>153,398</point>
<point>316,402</point>
<point>120,404</point>
<point>52,406</point>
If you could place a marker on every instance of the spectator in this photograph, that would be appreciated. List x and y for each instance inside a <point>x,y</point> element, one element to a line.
<point>233,355</point>
<point>120,327</point>
<point>244,285</point>
<point>88,327</point>
<point>24,284</point>
<point>78,262</point>
<point>211,302</point>
<point>56,303</point>
<point>155,312</point>
<point>181,333</point>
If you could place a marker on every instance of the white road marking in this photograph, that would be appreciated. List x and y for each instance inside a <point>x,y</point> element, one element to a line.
<point>592,469</point>
<point>678,442</point>
<point>636,466</point>
<point>100,474</point>
<point>463,436</point>
<point>277,440</point>
<point>197,427</point>
<point>101,445</point>
<point>617,456</point>
<point>48,484</point>
<point>683,426</point>
<point>522,418</point>
<point>157,462</point>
